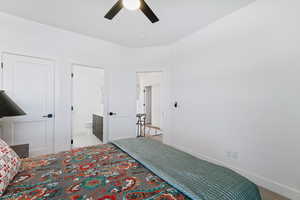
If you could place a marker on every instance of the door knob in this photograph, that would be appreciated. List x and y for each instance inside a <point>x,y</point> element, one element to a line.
<point>112,113</point>
<point>48,116</point>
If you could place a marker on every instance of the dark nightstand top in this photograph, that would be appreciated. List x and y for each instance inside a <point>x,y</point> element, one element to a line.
<point>22,150</point>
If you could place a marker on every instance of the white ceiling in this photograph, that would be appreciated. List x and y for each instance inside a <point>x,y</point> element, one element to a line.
<point>178,18</point>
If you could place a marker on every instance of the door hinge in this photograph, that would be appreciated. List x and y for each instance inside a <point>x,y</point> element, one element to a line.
<point>72,108</point>
<point>72,141</point>
<point>2,64</point>
<point>72,75</point>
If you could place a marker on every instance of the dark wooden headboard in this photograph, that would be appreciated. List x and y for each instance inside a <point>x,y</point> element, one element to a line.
<point>98,126</point>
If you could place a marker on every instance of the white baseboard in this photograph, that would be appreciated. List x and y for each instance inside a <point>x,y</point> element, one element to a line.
<point>61,148</point>
<point>274,186</point>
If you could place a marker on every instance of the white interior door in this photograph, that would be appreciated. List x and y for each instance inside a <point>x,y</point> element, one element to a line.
<point>30,83</point>
<point>122,104</point>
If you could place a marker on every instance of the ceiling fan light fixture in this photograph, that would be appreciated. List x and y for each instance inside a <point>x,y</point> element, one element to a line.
<point>131,4</point>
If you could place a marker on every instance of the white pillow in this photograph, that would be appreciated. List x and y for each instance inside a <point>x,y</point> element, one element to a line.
<point>9,165</point>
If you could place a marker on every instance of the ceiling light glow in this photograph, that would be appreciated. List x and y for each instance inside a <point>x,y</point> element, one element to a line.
<point>132,4</point>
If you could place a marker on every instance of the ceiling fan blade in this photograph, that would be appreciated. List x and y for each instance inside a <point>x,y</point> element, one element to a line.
<point>148,12</point>
<point>114,10</point>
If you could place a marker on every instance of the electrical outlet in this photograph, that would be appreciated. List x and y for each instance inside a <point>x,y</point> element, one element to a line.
<point>228,154</point>
<point>232,155</point>
<point>235,155</point>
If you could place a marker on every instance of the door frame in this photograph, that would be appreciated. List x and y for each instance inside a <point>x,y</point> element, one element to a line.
<point>163,98</point>
<point>147,90</point>
<point>105,101</point>
<point>54,79</point>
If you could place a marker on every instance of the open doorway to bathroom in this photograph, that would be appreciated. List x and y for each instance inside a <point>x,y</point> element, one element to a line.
<point>87,106</point>
<point>149,104</point>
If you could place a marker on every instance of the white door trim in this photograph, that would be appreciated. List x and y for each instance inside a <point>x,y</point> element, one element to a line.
<point>162,88</point>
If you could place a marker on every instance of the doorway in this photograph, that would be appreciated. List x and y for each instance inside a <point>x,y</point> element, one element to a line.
<point>87,106</point>
<point>149,103</point>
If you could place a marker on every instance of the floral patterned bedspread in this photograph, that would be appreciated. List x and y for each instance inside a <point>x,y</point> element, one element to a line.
<point>94,173</point>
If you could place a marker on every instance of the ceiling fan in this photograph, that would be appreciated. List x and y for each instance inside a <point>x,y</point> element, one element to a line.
<point>132,5</point>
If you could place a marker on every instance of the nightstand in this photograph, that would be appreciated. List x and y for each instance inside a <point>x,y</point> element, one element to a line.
<point>22,150</point>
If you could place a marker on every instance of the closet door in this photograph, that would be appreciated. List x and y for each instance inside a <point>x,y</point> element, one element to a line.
<point>122,103</point>
<point>30,83</point>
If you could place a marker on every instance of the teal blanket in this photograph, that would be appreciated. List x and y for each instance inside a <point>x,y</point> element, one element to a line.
<point>198,179</point>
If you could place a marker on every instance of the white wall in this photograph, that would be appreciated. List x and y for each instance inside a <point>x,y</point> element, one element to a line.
<point>155,109</point>
<point>237,85</point>
<point>88,97</point>
<point>21,36</point>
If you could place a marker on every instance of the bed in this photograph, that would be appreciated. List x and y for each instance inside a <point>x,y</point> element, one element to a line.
<point>132,169</point>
